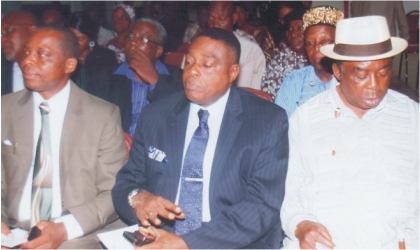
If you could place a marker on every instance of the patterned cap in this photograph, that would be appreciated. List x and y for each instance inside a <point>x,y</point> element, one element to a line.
<point>321,15</point>
<point>129,9</point>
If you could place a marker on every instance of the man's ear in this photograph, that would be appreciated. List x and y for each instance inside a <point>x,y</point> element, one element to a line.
<point>70,65</point>
<point>159,51</point>
<point>233,72</point>
<point>336,71</point>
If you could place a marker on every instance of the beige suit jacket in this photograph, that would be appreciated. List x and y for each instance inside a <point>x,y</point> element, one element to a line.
<point>92,150</point>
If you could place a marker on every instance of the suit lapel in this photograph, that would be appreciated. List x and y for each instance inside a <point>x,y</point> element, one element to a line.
<point>24,133</point>
<point>229,129</point>
<point>177,123</point>
<point>72,129</point>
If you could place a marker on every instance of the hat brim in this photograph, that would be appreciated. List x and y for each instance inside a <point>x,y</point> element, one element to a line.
<point>398,46</point>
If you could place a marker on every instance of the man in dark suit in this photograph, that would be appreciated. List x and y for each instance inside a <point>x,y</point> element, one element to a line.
<point>239,174</point>
<point>15,29</point>
<point>142,78</point>
<point>86,149</point>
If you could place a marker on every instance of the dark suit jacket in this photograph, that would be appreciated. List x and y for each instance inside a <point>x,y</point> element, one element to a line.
<point>92,150</point>
<point>120,91</point>
<point>247,177</point>
<point>6,76</point>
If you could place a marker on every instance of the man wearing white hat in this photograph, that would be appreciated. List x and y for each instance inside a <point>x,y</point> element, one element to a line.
<point>353,176</point>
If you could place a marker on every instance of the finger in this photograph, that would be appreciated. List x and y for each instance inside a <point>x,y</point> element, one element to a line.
<point>153,217</point>
<point>147,232</point>
<point>324,240</point>
<point>171,207</point>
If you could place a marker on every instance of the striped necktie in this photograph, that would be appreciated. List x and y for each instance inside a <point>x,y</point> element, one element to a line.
<point>42,176</point>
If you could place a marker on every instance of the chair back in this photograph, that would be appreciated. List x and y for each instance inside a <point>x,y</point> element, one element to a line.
<point>260,93</point>
<point>175,58</point>
<point>183,47</point>
<point>413,24</point>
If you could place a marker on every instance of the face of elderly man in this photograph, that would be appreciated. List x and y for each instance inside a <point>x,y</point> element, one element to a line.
<point>209,71</point>
<point>363,85</point>
<point>45,67</point>
<point>15,30</point>
<point>136,45</point>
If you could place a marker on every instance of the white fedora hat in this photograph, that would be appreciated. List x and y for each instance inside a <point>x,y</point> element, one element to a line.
<point>363,39</point>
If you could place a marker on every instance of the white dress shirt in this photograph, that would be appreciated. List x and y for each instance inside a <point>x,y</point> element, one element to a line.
<point>216,112</point>
<point>18,83</point>
<point>58,106</point>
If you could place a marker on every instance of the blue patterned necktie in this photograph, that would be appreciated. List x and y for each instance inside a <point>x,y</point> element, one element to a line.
<point>191,192</point>
<point>42,176</point>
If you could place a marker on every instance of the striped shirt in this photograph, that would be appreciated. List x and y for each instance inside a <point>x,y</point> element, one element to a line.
<point>357,177</point>
<point>298,87</point>
<point>139,90</point>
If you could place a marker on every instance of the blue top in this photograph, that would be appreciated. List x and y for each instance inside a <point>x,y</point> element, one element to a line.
<point>139,90</point>
<point>298,87</point>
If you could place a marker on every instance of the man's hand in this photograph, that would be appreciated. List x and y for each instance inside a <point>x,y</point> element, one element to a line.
<point>148,207</point>
<point>163,239</point>
<point>143,66</point>
<point>309,233</point>
<point>5,230</point>
<point>52,235</point>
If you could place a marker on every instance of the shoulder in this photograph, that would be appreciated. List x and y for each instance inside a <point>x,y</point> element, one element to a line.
<point>92,106</point>
<point>254,106</point>
<point>296,77</point>
<point>398,100</point>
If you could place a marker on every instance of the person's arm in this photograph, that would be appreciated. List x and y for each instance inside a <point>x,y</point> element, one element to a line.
<point>166,84</point>
<point>289,93</point>
<point>258,213</point>
<point>4,218</point>
<point>111,156</point>
<point>297,222</point>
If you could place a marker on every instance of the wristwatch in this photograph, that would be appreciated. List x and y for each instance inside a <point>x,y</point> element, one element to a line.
<point>132,194</point>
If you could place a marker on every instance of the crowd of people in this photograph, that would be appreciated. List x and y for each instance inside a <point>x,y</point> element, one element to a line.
<point>331,161</point>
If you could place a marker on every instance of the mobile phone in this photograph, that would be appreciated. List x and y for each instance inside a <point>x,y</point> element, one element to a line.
<point>136,238</point>
<point>35,232</point>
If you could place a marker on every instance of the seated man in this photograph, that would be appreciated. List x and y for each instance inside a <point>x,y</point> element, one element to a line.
<point>353,179</point>
<point>61,149</point>
<point>16,27</point>
<point>142,78</point>
<point>289,59</point>
<point>222,14</point>
<point>305,83</point>
<point>227,177</point>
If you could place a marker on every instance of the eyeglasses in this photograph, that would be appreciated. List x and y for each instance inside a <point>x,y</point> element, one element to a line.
<point>140,39</point>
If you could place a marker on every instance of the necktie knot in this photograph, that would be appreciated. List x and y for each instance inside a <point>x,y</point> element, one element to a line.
<point>203,116</point>
<point>45,108</point>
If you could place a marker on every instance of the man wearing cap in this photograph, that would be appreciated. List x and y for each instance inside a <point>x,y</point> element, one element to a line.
<point>353,178</point>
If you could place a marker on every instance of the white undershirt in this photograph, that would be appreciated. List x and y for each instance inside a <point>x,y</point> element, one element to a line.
<point>216,112</point>
<point>18,83</point>
<point>58,106</point>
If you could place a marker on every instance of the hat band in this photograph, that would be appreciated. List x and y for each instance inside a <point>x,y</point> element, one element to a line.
<point>364,49</point>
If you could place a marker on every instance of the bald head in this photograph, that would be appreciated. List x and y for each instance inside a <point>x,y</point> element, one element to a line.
<point>222,14</point>
<point>15,29</point>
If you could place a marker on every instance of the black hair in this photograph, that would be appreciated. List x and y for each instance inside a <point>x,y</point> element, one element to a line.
<point>290,4</point>
<point>85,24</point>
<point>68,43</point>
<point>297,14</point>
<point>225,36</point>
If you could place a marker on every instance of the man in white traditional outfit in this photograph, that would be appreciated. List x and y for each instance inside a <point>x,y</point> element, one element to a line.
<point>353,178</point>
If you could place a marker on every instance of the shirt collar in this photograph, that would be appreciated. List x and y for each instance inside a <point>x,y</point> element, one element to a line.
<point>124,69</point>
<point>216,107</point>
<point>58,100</point>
